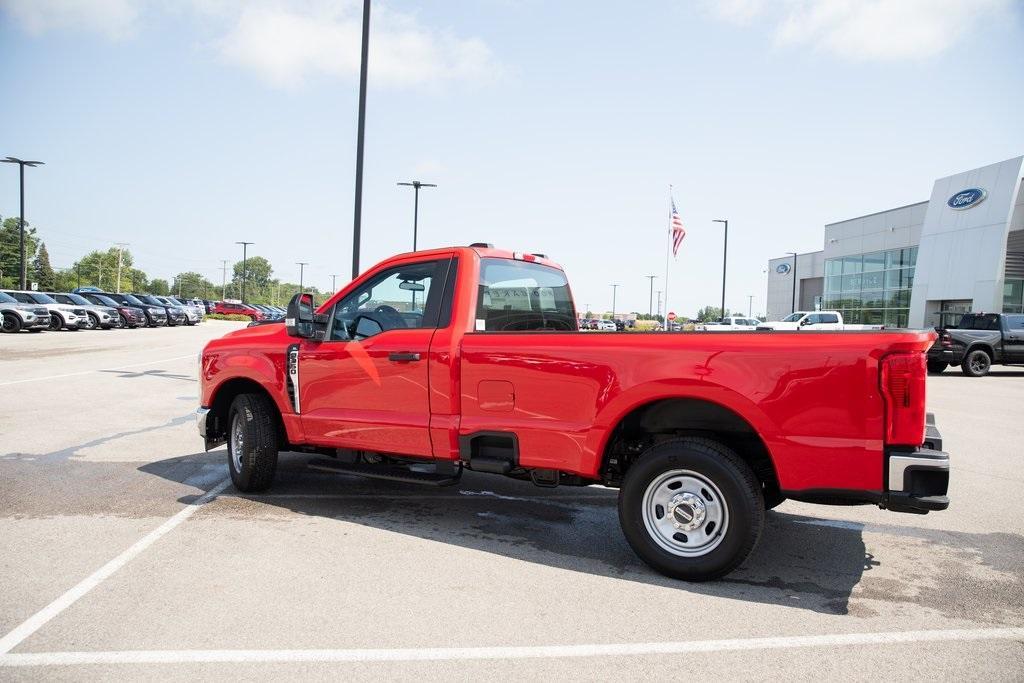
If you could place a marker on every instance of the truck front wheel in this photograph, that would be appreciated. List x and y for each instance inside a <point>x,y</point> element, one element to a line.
<point>691,508</point>
<point>252,442</point>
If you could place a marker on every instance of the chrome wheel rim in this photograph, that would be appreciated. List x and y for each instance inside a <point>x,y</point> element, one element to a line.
<point>685,513</point>
<point>91,324</point>
<point>237,442</point>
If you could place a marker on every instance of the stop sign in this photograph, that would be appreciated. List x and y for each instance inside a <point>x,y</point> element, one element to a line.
<point>671,316</point>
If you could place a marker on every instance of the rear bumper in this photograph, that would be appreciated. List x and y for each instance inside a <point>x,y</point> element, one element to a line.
<point>917,480</point>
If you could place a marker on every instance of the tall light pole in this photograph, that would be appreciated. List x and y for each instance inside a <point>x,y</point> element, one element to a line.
<point>21,220</point>
<point>615,290</point>
<point>245,274</point>
<point>793,254</point>
<point>223,279</point>
<point>120,252</point>
<point>650,298</point>
<point>302,269</point>
<point>333,287</point>
<point>659,302</point>
<point>416,185</point>
<point>725,257</point>
<point>360,137</point>
<point>750,305</point>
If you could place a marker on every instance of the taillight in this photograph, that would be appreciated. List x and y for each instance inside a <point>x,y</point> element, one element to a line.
<point>903,383</point>
<point>947,340</point>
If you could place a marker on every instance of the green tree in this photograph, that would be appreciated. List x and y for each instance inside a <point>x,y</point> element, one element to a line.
<point>711,314</point>
<point>42,271</point>
<point>159,287</point>
<point>10,249</point>
<point>99,269</point>
<point>193,285</point>
<point>257,277</point>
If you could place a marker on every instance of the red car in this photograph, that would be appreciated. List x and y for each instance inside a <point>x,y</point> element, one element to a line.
<point>470,357</point>
<point>237,308</point>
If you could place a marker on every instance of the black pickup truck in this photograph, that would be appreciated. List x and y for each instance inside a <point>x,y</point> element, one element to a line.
<point>978,342</point>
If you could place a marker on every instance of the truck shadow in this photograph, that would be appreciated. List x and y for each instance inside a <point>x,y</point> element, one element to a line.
<point>796,564</point>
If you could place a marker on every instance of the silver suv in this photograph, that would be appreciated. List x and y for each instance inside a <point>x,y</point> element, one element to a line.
<point>17,317</point>
<point>97,317</point>
<point>61,315</point>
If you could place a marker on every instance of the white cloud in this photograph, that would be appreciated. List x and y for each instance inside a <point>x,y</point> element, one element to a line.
<point>115,19</point>
<point>286,46</point>
<point>867,29</point>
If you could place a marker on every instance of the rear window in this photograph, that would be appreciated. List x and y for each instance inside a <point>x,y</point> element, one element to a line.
<point>518,296</point>
<point>987,321</point>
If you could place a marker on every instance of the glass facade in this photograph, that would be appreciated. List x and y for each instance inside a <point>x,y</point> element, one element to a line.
<point>1013,296</point>
<point>871,289</point>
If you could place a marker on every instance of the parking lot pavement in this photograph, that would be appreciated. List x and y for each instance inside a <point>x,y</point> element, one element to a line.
<point>116,562</point>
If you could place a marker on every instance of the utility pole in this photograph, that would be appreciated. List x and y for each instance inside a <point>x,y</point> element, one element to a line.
<point>360,137</point>
<point>333,287</point>
<point>659,302</point>
<point>120,251</point>
<point>245,274</point>
<point>750,305</point>
<point>615,290</point>
<point>21,219</point>
<point>725,256</point>
<point>416,185</point>
<point>223,279</point>
<point>302,267</point>
<point>650,298</point>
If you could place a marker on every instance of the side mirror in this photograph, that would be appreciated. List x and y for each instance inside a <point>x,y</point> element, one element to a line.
<point>299,320</point>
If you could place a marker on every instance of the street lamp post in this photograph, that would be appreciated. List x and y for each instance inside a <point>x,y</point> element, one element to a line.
<point>302,269</point>
<point>416,185</point>
<point>21,220</point>
<point>750,305</point>
<point>793,254</point>
<point>615,291</point>
<point>650,298</point>
<point>659,302</point>
<point>360,138</point>
<point>725,256</point>
<point>333,287</point>
<point>245,274</point>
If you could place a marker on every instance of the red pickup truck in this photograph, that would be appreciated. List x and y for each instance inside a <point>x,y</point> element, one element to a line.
<point>469,357</point>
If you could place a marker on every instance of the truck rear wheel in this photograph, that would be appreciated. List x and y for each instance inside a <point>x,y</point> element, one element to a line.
<point>12,323</point>
<point>977,363</point>
<point>252,442</point>
<point>691,508</point>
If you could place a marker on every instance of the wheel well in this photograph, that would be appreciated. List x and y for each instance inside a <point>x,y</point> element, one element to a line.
<point>666,419</point>
<point>981,347</point>
<point>217,421</point>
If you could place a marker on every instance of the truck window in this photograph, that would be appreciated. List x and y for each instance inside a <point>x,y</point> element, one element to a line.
<point>519,296</point>
<point>405,297</point>
<point>1015,322</point>
<point>829,318</point>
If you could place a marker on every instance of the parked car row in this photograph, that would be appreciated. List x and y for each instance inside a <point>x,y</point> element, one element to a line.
<point>90,308</point>
<point>602,325</point>
<point>255,312</point>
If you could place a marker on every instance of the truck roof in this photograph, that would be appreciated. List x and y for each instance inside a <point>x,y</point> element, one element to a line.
<point>482,252</point>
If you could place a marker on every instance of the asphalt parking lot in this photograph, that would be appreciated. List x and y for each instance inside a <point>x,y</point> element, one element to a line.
<point>124,552</point>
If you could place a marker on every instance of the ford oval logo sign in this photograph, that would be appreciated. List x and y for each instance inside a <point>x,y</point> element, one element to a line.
<point>782,268</point>
<point>965,199</point>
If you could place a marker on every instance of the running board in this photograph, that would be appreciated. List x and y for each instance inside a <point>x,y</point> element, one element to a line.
<point>388,472</point>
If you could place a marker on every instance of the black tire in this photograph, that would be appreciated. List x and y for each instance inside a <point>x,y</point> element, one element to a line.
<point>56,322</point>
<point>12,323</point>
<point>254,417</point>
<point>94,321</point>
<point>976,363</point>
<point>936,367</point>
<point>738,492</point>
<point>122,322</point>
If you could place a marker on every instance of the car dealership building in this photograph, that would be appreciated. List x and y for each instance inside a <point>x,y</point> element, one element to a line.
<point>920,265</point>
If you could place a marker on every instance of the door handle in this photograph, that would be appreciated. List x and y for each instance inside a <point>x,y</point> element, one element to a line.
<point>403,357</point>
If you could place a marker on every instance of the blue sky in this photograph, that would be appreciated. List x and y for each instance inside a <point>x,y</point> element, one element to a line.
<point>548,126</point>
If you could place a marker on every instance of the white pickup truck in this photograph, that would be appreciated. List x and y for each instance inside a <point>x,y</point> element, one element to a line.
<point>814,320</point>
<point>730,323</point>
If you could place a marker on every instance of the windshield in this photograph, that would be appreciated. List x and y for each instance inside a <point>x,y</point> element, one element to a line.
<point>77,299</point>
<point>793,317</point>
<point>104,300</point>
<point>7,299</point>
<point>41,298</point>
<point>133,300</point>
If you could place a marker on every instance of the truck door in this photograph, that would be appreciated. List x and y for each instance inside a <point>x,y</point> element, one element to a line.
<point>1013,338</point>
<point>365,386</point>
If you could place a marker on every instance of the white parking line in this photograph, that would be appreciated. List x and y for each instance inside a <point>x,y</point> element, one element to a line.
<point>89,372</point>
<point>447,654</point>
<point>37,620</point>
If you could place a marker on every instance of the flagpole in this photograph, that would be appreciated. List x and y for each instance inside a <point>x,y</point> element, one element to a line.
<point>668,252</point>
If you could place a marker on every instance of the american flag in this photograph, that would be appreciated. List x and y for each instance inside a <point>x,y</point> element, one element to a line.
<point>678,233</point>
